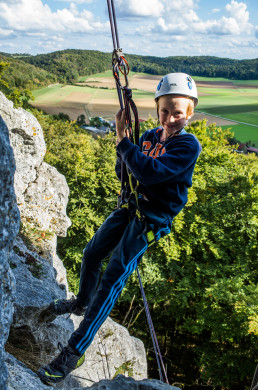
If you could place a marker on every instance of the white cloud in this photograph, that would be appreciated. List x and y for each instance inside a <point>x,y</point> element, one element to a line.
<point>238,11</point>
<point>36,34</point>
<point>10,1</point>
<point>27,15</point>
<point>224,26</point>
<point>5,33</point>
<point>78,1</point>
<point>184,20</point>
<point>182,6</point>
<point>136,8</point>
<point>171,28</point>
<point>215,10</point>
<point>241,43</point>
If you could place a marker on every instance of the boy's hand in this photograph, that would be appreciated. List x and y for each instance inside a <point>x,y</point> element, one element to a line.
<point>120,126</point>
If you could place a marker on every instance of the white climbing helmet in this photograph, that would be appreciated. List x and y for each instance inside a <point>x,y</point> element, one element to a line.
<point>177,84</point>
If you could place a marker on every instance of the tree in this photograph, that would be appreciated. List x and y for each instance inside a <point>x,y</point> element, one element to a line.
<point>19,98</point>
<point>81,120</point>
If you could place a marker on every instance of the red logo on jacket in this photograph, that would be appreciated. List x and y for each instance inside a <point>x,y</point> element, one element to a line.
<point>157,151</point>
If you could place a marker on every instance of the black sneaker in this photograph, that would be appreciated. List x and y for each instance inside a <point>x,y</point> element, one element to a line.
<point>67,361</point>
<point>59,307</point>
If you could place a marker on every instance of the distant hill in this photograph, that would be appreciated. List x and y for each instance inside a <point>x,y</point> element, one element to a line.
<point>68,65</point>
<point>27,71</point>
<point>22,75</point>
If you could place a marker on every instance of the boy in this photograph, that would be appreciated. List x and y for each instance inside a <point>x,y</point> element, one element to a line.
<point>163,166</point>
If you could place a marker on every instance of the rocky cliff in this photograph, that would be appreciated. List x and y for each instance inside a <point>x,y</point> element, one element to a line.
<point>33,200</point>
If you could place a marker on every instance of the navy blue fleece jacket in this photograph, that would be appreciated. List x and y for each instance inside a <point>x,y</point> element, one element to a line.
<point>164,170</point>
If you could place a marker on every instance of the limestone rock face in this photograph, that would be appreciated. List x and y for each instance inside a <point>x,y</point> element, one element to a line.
<point>41,191</point>
<point>27,140</point>
<point>46,199</point>
<point>123,383</point>
<point>21,377</point>
<point>9,226</point>
<point>36,287</point>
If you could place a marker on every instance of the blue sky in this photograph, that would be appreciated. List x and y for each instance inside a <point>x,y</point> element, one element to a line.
<point>223,28</point>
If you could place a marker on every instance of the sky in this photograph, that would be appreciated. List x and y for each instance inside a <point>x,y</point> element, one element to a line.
<point>222,28</point>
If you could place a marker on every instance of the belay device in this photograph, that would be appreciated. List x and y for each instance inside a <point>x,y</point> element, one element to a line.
<point>120,65</point>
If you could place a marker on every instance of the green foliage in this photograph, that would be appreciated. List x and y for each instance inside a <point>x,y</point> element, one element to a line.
<point>19,98</point>
<point>125,369</point>
<point>201,280</point>
<point>22,76</point>
<point>81,120</point>
<point>69,65</point>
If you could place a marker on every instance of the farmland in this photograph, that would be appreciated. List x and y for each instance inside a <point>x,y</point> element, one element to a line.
<point>221,101</point>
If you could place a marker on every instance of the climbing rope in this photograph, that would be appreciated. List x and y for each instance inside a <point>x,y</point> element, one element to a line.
<point>120,65</point>
<point>254,385</point>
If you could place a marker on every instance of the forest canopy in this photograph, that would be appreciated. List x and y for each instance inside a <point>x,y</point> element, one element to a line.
<point>69,65</point>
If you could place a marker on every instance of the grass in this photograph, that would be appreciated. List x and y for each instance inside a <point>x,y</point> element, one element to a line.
<point>221,79</point>
<point>244,133</point>
<point>246,82</point>
<point>238,104</point>
<point>108,73</point>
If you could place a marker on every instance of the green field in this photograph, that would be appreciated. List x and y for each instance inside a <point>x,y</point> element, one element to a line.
<point>217,79</point>
<point>237,104</point>
<point>244,133</point>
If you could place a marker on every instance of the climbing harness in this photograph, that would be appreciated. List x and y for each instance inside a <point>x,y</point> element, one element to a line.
<point>120,65</point>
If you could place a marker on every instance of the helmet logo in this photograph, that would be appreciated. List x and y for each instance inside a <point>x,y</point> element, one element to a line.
<point>190,84</point>
<point>160,84</point>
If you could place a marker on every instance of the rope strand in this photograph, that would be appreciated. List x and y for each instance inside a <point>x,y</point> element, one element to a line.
<point>126,102</point>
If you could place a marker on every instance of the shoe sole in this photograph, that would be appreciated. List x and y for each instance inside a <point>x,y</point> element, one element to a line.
<point>46,380</point>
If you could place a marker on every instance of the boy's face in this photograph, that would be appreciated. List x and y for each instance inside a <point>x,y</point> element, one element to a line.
<point>173,113</point>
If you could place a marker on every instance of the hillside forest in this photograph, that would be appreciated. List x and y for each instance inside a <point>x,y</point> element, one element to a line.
<point>68,65</point>
<point>201,280</point>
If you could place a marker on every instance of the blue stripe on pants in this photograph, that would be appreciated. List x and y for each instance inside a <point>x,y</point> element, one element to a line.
<point>108,305</point>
